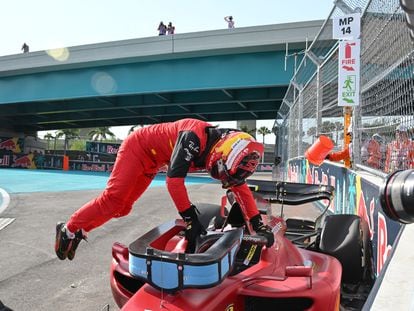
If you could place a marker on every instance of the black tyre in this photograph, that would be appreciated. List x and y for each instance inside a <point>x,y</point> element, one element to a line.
<point>346,238</point>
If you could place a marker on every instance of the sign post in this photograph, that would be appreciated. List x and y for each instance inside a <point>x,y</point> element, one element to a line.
<point>347,29</point>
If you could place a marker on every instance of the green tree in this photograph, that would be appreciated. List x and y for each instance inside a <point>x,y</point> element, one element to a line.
<point>78,144</point>
<point>100,133</point>
<point>48,136</point>
<point>264,131</point>
<point>328,127</point>
<point>246,129</point>
<point>311,131</point>
<point>134,127</point>
<point>68,134</point>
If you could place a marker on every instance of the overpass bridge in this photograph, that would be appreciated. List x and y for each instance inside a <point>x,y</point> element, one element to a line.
<point>220,75</point>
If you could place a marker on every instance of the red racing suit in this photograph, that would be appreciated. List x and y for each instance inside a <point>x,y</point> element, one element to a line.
<point>344,154</point>
<point>182,145</point>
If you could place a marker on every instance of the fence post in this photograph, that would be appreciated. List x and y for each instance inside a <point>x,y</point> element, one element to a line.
<point>300,123</point>
<point>347,139</point>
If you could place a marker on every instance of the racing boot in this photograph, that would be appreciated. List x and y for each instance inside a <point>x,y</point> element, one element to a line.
<point>65,247</point>
<point>79,236</point>
<point>62,242</point>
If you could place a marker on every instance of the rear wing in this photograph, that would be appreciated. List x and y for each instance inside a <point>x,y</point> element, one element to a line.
<point>290,193</point>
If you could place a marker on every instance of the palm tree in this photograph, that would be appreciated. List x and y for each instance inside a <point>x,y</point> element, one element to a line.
<point>48,136</point>
<point>132,129</point>
<point>69,134</point>
<point>100,133</point>
<point>328,128</point>
<point>246,129</point>
<point>264,131</point>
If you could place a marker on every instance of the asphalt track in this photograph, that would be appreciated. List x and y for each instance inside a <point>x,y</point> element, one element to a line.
<point>33,278</point>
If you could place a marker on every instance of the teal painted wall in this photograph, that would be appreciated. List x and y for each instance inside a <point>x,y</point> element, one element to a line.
<point>212,72</point>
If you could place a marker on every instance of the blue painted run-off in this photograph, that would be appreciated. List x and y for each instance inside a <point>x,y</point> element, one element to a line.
<point>21,181</point>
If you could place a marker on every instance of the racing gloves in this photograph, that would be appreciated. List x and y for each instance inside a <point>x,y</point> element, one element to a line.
<point>194,227</point>
<point>262,229</point>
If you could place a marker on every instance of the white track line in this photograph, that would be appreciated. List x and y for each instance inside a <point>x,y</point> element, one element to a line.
<point>4,222</point>
<point>6,200</point>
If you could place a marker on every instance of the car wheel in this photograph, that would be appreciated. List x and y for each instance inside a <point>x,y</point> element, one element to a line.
<point>346,237</point>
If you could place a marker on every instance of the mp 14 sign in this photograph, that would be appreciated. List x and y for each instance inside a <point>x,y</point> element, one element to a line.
<point>347,27</point>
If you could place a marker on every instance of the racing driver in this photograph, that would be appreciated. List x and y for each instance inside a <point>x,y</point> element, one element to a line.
<point>185,145</point>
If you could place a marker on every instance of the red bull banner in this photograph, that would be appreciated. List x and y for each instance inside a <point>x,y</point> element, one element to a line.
<point>102,147</point>
<point>24,161</point>
<point>4,160</point>
<point>11,155</point>
<point>353,195</point>
<point>89,166</point>
<point>21,160</point>
<point>13,144</point>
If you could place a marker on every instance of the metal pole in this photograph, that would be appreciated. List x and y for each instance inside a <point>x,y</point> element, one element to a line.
<point>318,101</point>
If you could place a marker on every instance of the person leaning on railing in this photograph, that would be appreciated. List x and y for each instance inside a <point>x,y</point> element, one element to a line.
<point>344,154</point>
<point>374,151</point>
<point>400,152</point>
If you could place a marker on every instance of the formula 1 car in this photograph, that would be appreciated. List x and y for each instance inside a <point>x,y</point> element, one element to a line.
<point>318,264</point>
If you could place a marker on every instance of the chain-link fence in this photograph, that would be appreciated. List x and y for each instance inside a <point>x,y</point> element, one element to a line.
<point>383,123</point>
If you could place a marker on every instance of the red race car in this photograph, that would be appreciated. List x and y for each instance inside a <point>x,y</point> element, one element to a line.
<point>321,264</point>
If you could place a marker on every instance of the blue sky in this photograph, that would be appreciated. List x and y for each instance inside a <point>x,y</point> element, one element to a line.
<point>47,24</point>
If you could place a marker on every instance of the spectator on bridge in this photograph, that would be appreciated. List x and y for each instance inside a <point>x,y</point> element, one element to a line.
<point>230,21</point>
<point>186,145</point>
<point>25,48</point>
<point>170,29</point>
<point>400,152</point>
<point>162,29</point>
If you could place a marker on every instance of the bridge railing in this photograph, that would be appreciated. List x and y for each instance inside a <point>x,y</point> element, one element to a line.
<point>385,114</point>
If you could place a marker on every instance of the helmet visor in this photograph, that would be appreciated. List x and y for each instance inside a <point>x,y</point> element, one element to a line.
<point>244,170</point>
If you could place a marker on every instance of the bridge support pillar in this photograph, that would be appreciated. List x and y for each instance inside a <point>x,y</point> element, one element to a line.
<point>247,126</point>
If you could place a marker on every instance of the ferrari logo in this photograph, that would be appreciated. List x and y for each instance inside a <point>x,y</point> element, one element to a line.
<point>230,308</point>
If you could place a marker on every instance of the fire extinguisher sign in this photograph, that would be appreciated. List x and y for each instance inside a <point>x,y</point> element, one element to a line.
<point>347,27</point>
<point>349,73</point>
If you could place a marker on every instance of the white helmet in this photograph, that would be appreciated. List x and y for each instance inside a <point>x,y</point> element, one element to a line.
<point>377,137</point>
<point>401,128</point>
